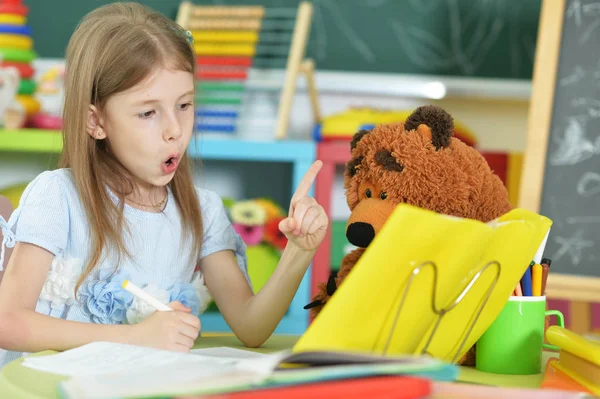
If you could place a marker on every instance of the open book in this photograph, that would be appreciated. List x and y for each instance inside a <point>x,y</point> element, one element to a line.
<point>111,370</point>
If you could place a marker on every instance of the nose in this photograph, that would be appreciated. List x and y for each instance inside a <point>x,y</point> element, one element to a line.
<point>173,129</point>
<point>360,234</point>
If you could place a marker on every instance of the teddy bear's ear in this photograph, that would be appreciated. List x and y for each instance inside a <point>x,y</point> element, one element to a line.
<point>352,165</point>
<point>432,122</point>
<point>357,137</point>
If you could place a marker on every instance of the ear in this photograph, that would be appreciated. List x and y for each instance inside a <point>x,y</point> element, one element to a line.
<point>425,132</point>
<point>357,137</point>
<point>94,125</point>
<point>352,165</point>
<point>433,123</point>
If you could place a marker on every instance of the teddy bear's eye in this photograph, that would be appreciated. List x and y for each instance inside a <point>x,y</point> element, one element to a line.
<point>383,195</point>
<point>368,193</point>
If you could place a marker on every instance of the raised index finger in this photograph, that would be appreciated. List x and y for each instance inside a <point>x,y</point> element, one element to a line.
<point>307,181</point>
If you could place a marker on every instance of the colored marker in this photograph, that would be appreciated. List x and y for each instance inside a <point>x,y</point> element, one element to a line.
<point>536,279</point>
<point>526,281</point>
<point>518,290</point>
<point>545,270</point>
<point>144,296</point>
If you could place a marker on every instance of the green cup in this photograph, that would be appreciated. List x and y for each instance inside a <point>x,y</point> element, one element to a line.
<point>513,343</point>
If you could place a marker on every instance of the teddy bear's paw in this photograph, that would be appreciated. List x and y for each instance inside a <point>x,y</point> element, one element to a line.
<point>319,301</point>
<point>326,292</point>
<point>331,285</point>
<point>468,359</point>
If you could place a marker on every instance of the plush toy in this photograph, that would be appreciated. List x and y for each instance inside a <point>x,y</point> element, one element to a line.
<point>12,113</point>
<point>248,220</point>
<point>420,163</point>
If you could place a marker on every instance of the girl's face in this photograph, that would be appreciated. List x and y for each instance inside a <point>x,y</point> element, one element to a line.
<point>149,126</point>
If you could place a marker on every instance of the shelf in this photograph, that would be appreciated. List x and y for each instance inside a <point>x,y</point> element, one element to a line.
<point>290,324</point>
<point>30,140</point>
<point>435,87</point>
<point>226,148</point>
<point>233,149</point>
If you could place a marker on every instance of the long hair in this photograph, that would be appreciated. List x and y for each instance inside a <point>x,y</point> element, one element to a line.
<point>115,47</point>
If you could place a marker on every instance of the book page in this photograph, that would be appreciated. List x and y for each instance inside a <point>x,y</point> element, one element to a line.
<point>160,381</point>
<point>104,369</point>
<point>101,358</point>
<point>224,352</point>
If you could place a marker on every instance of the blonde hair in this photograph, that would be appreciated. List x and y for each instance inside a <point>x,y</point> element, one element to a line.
<point>114,48</point>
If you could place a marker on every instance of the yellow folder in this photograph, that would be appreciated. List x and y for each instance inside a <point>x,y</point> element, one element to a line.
<point>428,283</point>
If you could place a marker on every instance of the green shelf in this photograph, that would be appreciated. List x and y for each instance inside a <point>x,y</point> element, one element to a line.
<point>30,140</point>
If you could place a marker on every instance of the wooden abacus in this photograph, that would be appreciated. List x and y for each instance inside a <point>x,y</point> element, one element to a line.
<point>229,40</point>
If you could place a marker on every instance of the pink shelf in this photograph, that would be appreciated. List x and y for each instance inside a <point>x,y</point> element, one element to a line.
<point>332,153</point>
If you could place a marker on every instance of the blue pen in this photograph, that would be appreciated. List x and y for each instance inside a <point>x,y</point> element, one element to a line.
<point>526,281</point>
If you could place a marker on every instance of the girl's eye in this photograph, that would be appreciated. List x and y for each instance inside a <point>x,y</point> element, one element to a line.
<point>368,193</point>
<point>146,115</point>
<point>184,107</point>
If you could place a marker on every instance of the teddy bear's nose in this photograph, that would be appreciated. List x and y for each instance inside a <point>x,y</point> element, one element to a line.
<point>360,234</point>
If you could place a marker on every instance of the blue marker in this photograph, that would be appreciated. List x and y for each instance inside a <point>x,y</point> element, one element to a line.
<point>526,281</point>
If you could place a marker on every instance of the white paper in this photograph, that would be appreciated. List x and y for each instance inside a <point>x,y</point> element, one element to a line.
<point>242,359</point>
<point>157,381</point>
<point>105,358</point>
<point>101,358</point>
<point>224,352</point>
<point>540,252</point>
<point>104,369</point>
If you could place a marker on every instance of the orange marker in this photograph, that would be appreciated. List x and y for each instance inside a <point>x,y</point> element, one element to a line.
<point>536,280</point>
<point>518,290</point>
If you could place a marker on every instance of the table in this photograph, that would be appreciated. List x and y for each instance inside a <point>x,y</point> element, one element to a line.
<point>16,380</point>
<point>19,382</point>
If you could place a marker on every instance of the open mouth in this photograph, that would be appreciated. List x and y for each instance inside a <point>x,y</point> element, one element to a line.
<point>170,165</point>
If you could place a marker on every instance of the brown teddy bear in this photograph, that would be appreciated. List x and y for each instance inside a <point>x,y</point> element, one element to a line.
<point>420,163</point>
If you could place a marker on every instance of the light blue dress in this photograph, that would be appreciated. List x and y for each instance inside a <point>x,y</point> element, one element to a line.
<point>51,215</point>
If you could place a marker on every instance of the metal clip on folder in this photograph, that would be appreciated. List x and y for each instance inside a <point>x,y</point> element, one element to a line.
<point>442,312</point>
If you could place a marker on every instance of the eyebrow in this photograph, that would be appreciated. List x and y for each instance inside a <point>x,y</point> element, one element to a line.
<point>152,100</point>
<point>388,161</point>
<point>188,93</point>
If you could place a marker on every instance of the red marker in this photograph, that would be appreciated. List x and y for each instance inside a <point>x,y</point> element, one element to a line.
<point>545,270</point>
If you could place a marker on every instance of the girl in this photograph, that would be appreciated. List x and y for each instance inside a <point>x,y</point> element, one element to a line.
<point>124,207</point>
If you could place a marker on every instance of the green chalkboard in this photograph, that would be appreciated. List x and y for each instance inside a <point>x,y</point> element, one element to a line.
<point>473,38</point>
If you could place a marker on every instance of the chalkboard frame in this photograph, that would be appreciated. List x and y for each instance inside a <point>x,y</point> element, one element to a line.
<point>581,290</point>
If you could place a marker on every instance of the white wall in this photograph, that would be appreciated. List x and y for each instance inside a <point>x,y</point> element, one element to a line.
<point>495,110</point>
